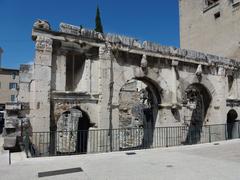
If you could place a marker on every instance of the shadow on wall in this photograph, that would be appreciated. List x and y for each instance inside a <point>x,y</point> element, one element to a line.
<point>199,99</point>
<point>82,135</point>
<point>151,113</point>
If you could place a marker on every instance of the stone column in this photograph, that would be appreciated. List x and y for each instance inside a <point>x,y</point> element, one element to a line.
<point>106,94</point>
<point>42,84</point>
<point>174,85</point>
<point>220,98</point>
<point>104,87</point>
<point>61,71</point>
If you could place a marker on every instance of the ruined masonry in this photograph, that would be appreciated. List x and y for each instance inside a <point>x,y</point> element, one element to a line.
<point>85,80</point>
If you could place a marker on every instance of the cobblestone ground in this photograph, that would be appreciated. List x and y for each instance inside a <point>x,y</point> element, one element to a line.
<point>220,161</point>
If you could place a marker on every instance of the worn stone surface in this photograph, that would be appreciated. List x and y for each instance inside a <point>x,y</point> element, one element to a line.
<point>67,127</point>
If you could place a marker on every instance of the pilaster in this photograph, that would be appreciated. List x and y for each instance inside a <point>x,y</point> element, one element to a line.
<point>42,78</point>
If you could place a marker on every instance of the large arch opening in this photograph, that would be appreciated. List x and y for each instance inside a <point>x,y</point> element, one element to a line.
<point>138,109</point>
<point>72,131</point>
<point>231,119</point>
<point>198,101</point>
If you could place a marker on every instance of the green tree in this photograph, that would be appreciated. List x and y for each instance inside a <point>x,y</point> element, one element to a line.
<point>98,23</point>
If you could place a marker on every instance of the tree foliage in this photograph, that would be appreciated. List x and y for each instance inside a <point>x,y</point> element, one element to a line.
<point>98,22</point>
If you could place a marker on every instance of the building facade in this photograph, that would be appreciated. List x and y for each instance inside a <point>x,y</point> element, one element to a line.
<point>9,80</point>
<point>83,80</point>
<point>211,26</point>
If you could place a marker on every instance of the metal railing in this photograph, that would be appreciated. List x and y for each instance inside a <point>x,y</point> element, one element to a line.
<point>104,140</point>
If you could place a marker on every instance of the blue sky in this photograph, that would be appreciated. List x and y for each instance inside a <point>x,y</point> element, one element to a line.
<point>153,20</point>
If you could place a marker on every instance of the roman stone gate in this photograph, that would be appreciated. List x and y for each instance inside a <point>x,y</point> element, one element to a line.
<point>118,82</point>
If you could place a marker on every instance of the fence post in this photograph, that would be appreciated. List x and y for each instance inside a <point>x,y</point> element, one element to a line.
<point>226,133</point>
<point>238,129</point>
<point>209,131</point>
<point>111,139</point>
<point>166,136</point>
<point>9,158</point>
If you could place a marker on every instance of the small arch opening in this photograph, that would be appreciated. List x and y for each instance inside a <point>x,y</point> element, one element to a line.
<point>231,119</point>
<point>72,131</point>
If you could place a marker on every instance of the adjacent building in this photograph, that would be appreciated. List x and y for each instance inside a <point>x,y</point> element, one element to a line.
<point>9,80</point>
<point>211,26</point>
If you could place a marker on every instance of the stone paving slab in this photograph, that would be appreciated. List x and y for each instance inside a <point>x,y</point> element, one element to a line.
<point>207,161</point>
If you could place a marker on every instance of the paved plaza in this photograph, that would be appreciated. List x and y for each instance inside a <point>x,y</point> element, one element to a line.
<point>216,161</point>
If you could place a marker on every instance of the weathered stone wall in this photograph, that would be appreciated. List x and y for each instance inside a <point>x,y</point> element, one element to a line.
<point>25,78</point>
<point>127,101</point>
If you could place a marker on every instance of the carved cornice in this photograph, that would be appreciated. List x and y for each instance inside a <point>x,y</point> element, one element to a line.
<point>70,33</point>
<point>73,97</point>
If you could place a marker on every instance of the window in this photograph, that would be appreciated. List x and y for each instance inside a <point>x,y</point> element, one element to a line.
<point>74,71</point>
<point>231,86</point>
<point>210,2</point>
<point>12,85</point>
<point>235,3</point>
<point>217,15</point>
<point>14,76</point>
<point>13,98</point>
<point>230,83</point>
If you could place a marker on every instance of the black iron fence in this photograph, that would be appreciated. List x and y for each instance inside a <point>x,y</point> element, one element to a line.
<point>104,140</point>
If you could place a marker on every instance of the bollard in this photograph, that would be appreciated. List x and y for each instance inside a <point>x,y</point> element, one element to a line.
<point>9,158</point>
<point>209,137</point>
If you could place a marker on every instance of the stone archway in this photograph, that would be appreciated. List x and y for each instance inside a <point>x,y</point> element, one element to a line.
<point>198,101</point>
<point>72,131</point>
<point>186,82</point>
<point>138,109</point>
<point>231,119</point>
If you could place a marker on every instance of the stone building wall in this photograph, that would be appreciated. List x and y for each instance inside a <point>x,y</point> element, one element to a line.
<point>107,66</point>
<point>83,69</point>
